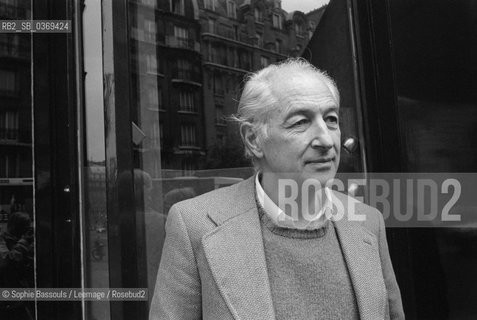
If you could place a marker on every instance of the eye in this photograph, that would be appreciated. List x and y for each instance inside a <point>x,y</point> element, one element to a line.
<point>332,120</point>
<point>300,122</point>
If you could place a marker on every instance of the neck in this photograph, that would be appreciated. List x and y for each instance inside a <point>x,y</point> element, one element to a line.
<point>296,198</point>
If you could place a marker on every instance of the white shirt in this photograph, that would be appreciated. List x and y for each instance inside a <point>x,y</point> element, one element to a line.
<point>279,217</point>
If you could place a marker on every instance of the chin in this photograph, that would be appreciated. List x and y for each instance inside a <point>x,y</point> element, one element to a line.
<point>322,177</point>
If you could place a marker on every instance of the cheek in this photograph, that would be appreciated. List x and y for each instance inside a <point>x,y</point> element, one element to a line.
<point>337,139</point>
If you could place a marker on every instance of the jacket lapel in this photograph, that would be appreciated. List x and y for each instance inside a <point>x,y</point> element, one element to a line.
<point>361,252</point>
<point>235,254</point>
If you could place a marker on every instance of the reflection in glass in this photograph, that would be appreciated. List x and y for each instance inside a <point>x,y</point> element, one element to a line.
<point>435,59</point>
<point>16,174</point>
<point>95,215</point>
<point>188,60</point>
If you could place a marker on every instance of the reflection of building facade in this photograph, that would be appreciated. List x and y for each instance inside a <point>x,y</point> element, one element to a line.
<point>167,70</point>
<point>239,37</point>
<point>189,59</point>
<point>15,113</point>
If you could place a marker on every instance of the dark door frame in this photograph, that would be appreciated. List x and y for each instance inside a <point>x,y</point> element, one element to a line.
<point>57,223</point>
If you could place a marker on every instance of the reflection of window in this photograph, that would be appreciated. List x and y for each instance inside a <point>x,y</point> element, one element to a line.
<point>182,36</point>
<point>278,46</point>
<point>227,31</point>
<point>219,114</point>
<point>151,63</point>
<point>184,69</point>
<point>259,39</point>
<point>299,29</point>
<point>277,21</point>
<point>149,30</point>
<point>188,135</point>
<point>186,101</point>
<point>209,4</point>
<point>236,34</point>
<point>231,9</point>
<point>258,15</point>
<point>9,165</point>
<point>277,4</point>
<point>213,54</point>
<point>177,6</point>
<point>8,125</point>
<point>211,25</point>
<point>7,81</point>
<point>245,60</point>
<point>218,85</point>
<point>264,61</point>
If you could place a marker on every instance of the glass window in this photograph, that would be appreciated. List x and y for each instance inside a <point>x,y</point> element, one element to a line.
<point>259,38</point>
<point>299,29</point>
<point>184,68</point>
<point>186,101</point>
<point>211,25</point>
<point>277,21</point>
<point>182,36</point>
<point>258,15</point>
<point>278,45</point>
<point>209,4</point>
<point>188,135</point>
<point>7,81</point>
<point>231,9</point>
<point>168,138</point>
<point>264,61</point>
<point>219,115</point>
<point>18,213</point>
<point>178,6</point>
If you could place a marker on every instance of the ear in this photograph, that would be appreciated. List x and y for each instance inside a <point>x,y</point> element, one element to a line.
<point>251,140</point>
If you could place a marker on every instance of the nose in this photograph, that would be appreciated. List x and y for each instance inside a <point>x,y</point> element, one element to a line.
<point>321,137</point>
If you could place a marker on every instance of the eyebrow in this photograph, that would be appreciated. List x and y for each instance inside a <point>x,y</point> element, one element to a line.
<point>307,110</point>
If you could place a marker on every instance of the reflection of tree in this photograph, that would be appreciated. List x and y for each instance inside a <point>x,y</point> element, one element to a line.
<point>229,155</point>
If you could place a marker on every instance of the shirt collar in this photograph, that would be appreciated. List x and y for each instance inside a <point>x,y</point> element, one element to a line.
<point>279,217</point>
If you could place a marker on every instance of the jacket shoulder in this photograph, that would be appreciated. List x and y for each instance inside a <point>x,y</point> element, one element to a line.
<point>226,201</point>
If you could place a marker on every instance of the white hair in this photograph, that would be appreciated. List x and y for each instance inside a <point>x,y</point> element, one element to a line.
<point>259,96</point>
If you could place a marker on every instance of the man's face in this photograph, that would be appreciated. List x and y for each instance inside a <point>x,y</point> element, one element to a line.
<point>303,133</point>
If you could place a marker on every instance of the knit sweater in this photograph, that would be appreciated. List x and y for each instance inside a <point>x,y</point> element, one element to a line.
<point>308,275</point>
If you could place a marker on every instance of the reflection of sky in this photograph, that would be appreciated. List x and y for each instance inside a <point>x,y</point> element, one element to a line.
<point>93,66</point>
<point>302,5</point>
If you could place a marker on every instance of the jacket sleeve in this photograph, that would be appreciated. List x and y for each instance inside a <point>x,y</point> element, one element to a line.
<point>177,293</point>
<point>394,295</point>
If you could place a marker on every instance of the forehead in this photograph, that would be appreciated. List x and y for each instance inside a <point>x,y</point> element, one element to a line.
<point>304,91</point>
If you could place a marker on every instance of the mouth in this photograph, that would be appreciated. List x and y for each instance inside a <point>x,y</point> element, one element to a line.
<point>322,160</point>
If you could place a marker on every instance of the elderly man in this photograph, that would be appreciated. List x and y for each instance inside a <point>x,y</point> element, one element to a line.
<point>242,252</point>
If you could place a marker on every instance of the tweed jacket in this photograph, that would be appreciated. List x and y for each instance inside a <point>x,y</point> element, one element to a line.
<point>213,262</point>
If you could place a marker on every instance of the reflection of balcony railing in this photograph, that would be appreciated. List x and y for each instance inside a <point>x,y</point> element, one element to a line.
<point>186,43</point>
